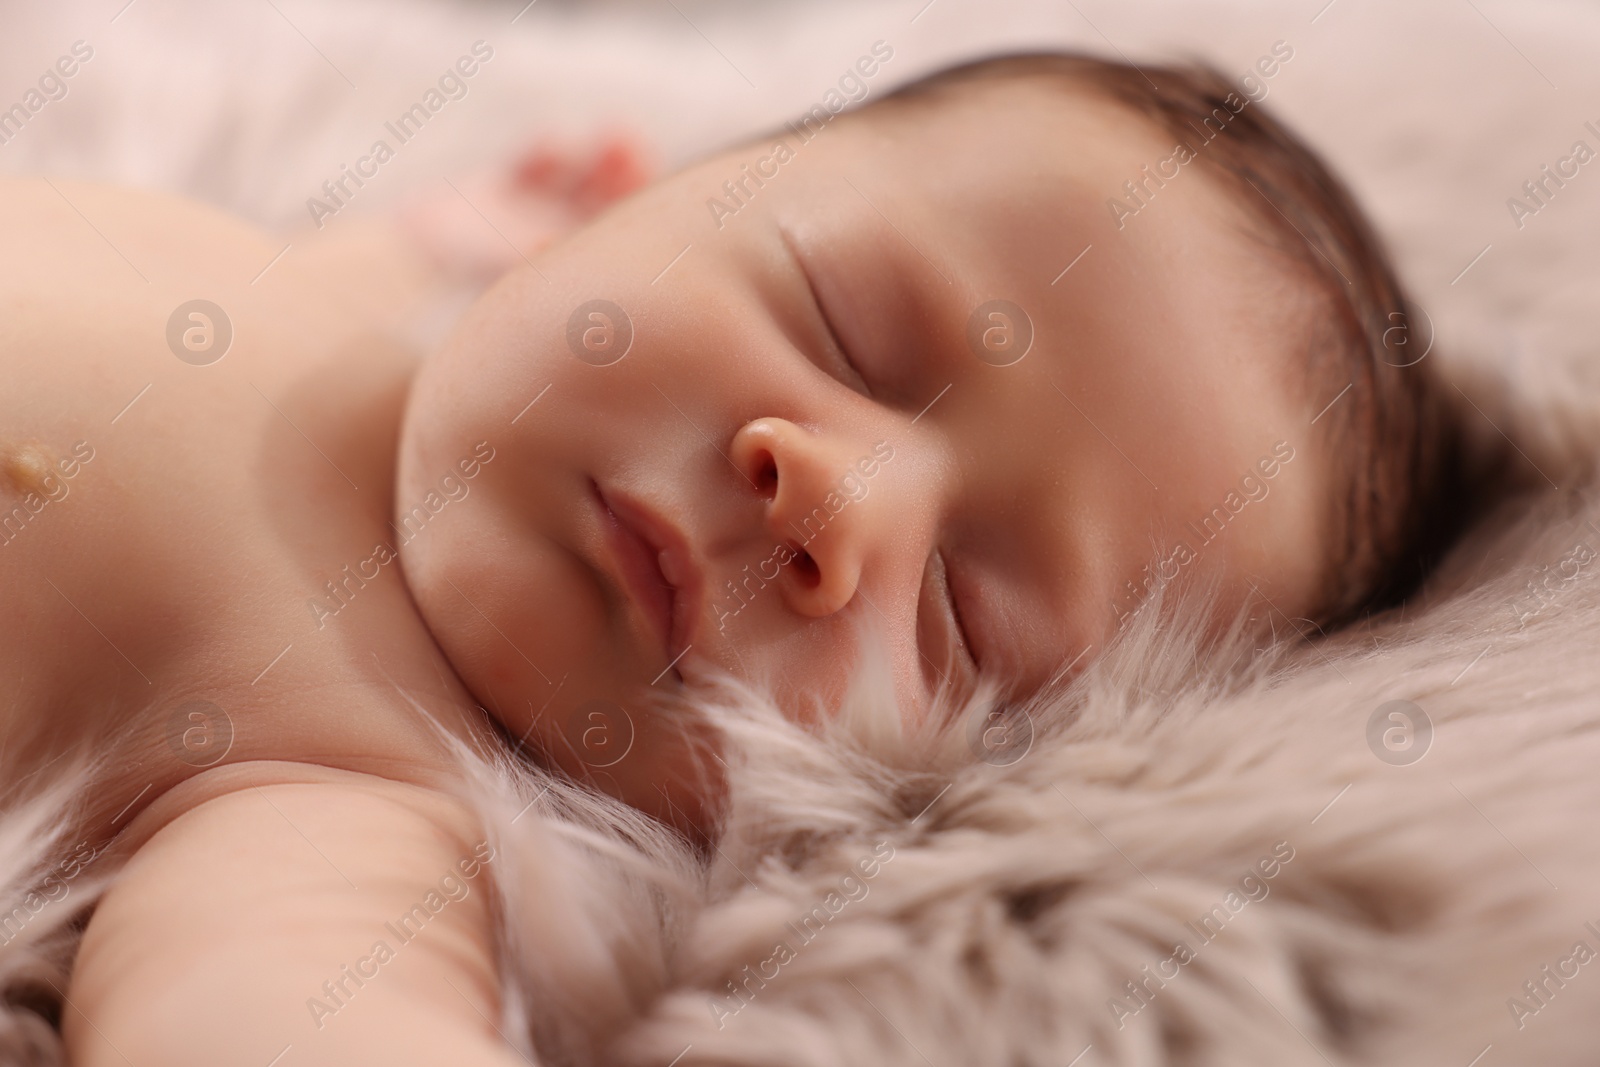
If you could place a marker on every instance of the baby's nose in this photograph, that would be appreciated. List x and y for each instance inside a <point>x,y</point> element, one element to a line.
<point>815,504</point>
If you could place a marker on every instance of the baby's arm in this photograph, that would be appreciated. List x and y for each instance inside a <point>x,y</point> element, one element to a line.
<point>337,919</point>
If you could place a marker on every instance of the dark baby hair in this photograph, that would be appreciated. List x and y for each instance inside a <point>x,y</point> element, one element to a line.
<point>1394,435</point>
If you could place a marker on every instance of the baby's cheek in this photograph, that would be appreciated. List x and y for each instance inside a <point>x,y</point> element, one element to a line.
<point>513,619</point>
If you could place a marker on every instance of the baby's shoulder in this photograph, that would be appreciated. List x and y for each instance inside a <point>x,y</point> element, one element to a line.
<point>354,798</point>
<point>195,436</point>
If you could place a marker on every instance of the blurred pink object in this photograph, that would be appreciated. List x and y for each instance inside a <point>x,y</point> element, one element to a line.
<point>480,225</point>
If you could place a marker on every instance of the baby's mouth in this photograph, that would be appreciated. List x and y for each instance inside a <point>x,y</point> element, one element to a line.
<point>656,567</point>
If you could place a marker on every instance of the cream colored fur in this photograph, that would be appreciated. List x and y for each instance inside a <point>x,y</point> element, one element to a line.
<point>1020,899</point>
<point>44,894</point>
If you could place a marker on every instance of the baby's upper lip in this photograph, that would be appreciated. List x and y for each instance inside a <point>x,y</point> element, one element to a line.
<point>657,566</point>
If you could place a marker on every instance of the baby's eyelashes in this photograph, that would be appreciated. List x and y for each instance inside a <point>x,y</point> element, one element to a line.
<point>942,641</point>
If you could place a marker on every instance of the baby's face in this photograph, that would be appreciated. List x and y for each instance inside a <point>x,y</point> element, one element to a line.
<point>799,411</point>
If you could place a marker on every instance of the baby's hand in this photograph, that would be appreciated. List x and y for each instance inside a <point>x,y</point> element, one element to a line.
<point>303,916</point>
<point>487,223</point>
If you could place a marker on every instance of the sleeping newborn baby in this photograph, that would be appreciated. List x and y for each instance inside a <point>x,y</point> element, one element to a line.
<point>980,371</point>
<point>982,367</point>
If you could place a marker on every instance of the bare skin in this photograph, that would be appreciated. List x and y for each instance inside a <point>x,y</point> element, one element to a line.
<point>185,572</point>
<point>174,568</point>
<point>179,564</point>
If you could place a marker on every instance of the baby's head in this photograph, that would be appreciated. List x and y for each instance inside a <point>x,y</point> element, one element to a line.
<point>982,365</point>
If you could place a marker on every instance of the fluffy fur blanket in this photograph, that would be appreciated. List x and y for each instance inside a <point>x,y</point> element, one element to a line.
<point>1371,848</point>
<point>1150,869</point>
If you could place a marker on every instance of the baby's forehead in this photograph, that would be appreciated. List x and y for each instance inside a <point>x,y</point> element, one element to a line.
<point>1053,167</point>
<point>1065,124</point>
<point>1057,147</point>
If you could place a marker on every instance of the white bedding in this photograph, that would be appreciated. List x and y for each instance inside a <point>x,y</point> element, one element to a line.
<point>1407,921</point>
<point>1436,110</point>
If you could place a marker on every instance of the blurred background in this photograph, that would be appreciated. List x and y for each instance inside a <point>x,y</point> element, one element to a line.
<point>1436,111</point>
